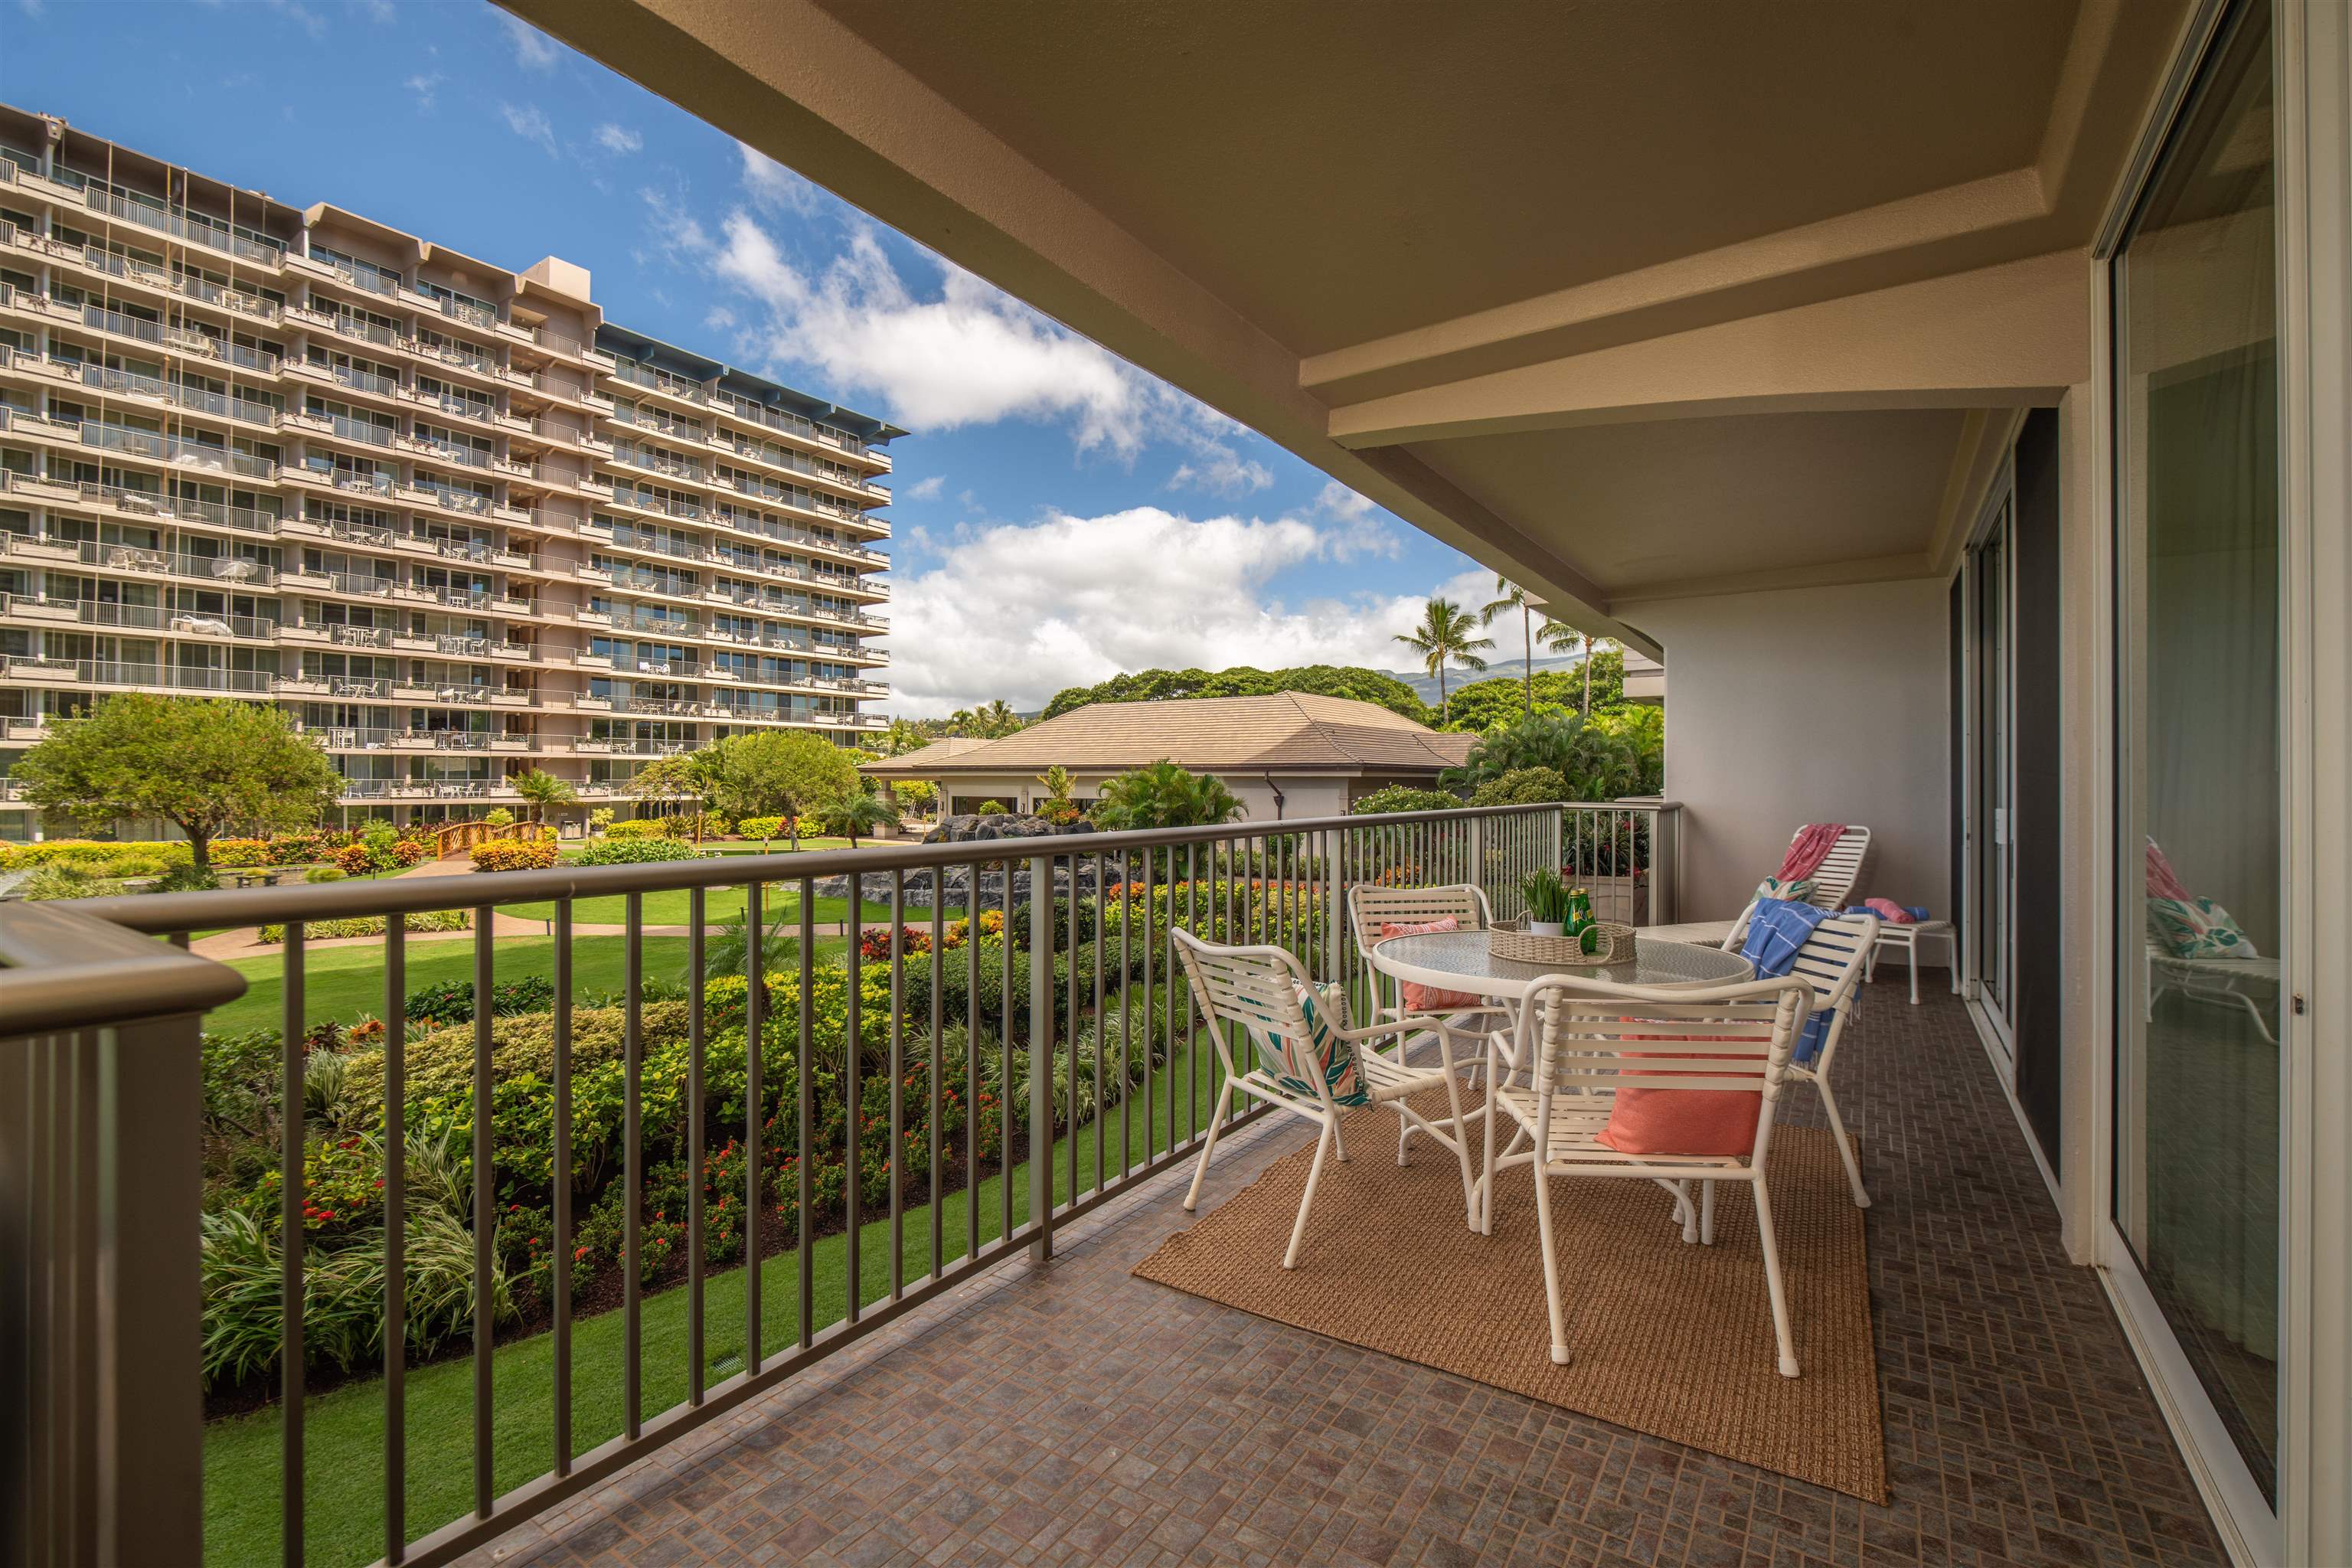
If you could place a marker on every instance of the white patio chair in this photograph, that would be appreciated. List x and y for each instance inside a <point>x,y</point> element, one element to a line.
<point>1371,907</point>
<point>1837,885</point>
<point>1832,962</point>
<point>1258,988</point>
<point>1588,1041</point>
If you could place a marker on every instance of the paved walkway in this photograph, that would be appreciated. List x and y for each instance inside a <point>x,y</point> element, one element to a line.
<point>1071,1414</point>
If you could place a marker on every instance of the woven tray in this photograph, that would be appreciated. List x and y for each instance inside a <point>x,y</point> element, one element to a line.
<point>1518,944</point>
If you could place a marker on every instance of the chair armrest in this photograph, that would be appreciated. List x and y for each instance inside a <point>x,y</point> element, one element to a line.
<point>1403,1025</point>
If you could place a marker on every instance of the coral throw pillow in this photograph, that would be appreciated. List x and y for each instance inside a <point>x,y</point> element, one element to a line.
<point>1429,998</point>
<point>1717,1122</point>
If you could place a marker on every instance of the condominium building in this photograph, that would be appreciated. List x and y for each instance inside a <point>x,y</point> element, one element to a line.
<point>449,516</point>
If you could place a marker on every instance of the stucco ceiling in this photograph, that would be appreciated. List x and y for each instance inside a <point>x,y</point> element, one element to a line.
<point>1697,498</point>
<point>1613,295</point>
<point>1343,172</point>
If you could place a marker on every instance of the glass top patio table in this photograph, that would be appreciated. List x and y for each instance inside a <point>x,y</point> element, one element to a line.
<point>1458,960</point>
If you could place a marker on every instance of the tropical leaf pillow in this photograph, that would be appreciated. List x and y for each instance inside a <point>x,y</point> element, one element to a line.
<point>1795,890</point>
<point>2197,927</point>
<point>1321,1054</point>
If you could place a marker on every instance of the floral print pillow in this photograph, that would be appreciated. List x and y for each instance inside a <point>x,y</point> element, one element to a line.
<point>2197,927</point>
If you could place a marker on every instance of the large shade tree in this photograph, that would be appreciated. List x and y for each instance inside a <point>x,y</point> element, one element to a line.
<point>780,773</point>
<point>203,764</point>
<point>1446,635</point>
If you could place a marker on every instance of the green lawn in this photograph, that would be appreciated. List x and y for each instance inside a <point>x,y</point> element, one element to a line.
<point>344,1430</point>
<point>668,907</point>
<point>346,983</point>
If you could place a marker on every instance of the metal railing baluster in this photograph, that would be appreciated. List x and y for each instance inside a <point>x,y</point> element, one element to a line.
<point>562,1178</point>
<point>805,1093</point>
<point>694,1151</point>
<point>485,1186</point>
<point>395,1229</point>
<point>853,1100</point>
<point>898,1085</point>
<point>293,1206</point>
<point>1005,1058</point>
<point>972,1020</point>
<point>633,1166</point>
<point>931,1124</point>
<point>755,1115</point>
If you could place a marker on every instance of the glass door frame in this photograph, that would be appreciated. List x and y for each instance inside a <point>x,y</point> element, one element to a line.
<point>1995,533</point>
<point>2313,133</point>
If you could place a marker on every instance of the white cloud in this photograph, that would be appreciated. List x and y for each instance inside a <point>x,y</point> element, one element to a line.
<point>1022,610</point>
<point>530,123</point>
<point>425,85</point>
<point>925,489</point>
<point>381,11</point>
<point>972,356</point>
<point>1222,471</point>
<point>533,50</point>
<point>32,8</point>
<point>773,187</point>
<point>618,137</point>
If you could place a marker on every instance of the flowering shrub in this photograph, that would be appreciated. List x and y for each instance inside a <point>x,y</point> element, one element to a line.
<point>232,853</point>
<point>874,944</point>
<point>514,855</point>
<point>760,827</point>
<point>638,828</point>
<point>143,858</point>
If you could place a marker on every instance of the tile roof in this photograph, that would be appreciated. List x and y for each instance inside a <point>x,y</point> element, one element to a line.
<point>1292,732</point>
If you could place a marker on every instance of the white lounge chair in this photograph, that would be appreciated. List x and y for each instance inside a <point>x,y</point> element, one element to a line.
<point>2212,980</point>
<point>1588,1041</point>
<point>1257,988</point>
<point>1832,963</point>
<point>1837,884</point>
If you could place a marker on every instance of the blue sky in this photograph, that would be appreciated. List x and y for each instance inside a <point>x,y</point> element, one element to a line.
<point>1061,516</point>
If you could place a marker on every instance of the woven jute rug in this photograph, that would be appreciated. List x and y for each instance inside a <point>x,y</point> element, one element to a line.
<point>1666,1338</point>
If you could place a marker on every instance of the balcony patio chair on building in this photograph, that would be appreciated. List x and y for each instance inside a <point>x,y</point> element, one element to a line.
<point>1589,1043</point>
<point>1837,883</point>
<point>1304,1059</point>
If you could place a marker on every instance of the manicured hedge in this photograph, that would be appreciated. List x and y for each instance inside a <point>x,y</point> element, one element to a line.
<point>372,925</point>
<point>514,855</point>
<point>616,851</point>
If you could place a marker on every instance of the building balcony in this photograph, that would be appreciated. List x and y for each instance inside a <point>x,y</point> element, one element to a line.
<point>949,1374</point>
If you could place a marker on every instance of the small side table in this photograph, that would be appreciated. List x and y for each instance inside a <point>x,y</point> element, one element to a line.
<point>1908,938</point>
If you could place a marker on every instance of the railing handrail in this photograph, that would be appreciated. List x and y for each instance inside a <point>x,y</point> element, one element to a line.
<point>161,913</point>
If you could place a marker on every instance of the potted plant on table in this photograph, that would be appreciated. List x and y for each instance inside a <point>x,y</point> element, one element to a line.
<point>1555,909</point>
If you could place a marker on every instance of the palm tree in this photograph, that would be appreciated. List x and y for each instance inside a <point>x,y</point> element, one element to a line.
<point>1561,638</point>
<point>960,723</point>
<point>1162,794</point>
<point>1510,595</point>
<point>851,814</point>
<point>903,736</point>
<point>998,718</point>
<point>1443,637</point>
<point>541,790</point>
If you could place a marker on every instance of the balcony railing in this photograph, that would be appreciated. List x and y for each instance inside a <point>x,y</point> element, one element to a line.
<point>194,227</point>
<point>1012,1096</point>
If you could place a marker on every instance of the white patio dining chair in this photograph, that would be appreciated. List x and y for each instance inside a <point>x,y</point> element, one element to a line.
<point>1588,1043</point>
<point>1372,908</point>
<point>1314,1068</point>
<point>1837,884</point>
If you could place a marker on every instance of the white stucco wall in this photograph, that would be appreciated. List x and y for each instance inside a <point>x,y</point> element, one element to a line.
<point>1807,705</point>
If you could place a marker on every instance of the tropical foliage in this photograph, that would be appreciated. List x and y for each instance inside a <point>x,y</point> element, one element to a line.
<point>540,790</point>
<point>1244,681</point>
<point>780,773</point>
<point>1162,794</point>
<point>1404,798</point>
<point>1596,761</point>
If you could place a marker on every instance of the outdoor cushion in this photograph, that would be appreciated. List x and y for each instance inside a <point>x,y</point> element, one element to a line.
<point>1774,888</point>
<point>1419,998</point>
<point>1322,1054</point>
<point>1719,1122</point>
<point>2197,927</point>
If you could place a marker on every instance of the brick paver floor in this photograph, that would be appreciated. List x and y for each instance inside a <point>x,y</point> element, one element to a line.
<point>1070,1414</point>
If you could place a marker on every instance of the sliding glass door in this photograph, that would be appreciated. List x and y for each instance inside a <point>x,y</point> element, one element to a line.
<point>2200,912</point>
<point>1992,878</point>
